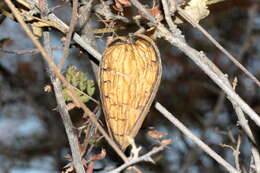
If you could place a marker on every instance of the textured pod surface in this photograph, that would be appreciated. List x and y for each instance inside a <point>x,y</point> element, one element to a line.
<point>130,73</point>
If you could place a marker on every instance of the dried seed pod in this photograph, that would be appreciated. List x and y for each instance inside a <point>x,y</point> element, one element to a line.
<point>130,73</point>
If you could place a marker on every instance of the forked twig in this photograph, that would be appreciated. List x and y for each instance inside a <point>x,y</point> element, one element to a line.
<point>144,158</point>
<point>221,48</point>
<point>195,139</point>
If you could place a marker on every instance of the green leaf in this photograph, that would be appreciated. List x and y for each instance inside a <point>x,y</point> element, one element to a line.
<point>80,81</point>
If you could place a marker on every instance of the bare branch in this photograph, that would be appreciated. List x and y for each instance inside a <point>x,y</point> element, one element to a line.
<point>144,158</point>
<point>244,124</point>
<point>28,51</point>
<point>195,139</point>
<point>168,18</point>
<point>76,37</point>
<point>231,57</point>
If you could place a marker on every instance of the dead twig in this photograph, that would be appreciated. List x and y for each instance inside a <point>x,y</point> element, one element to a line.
<point>195,139</point>
<point>73,22</point>
<point>221,48</point>
<point>28,51</point>
<point>144,158</point>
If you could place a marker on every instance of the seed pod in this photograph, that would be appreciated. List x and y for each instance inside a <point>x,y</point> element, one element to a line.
<point>130,73</point>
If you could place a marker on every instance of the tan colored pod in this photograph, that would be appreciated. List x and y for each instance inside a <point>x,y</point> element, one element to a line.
<point>130,73</point>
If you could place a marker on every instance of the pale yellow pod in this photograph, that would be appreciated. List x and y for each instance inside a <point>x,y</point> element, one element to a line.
<point>129,76</point>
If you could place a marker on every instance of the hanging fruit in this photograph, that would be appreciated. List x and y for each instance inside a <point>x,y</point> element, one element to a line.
<point>130,73</point>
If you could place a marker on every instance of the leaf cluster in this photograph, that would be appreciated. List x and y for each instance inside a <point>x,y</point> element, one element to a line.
<point>85,86</point>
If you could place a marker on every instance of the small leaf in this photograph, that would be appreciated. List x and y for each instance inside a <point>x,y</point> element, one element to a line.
<point>80,81</point>
<point>91,88</point>
<point>84,98</point>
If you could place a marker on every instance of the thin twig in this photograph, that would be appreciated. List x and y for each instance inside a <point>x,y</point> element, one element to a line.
<point>246,128</point>
<point>221,48</point>
<point>28,51</point>
<point>144,158</point>
<point>73,22</point>
<point>76,37</point>
<point>57,72</point>
<point>236,153</point>
<point>195,139</point>
<point>168,17</point>
<point>146,14</point>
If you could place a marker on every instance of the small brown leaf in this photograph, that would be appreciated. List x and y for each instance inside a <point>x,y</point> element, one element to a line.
<point>120,4</point>
<point>156,134</point>
<point>99,156</point>
<point>125,3</point>
<point>166,142</point>
<point>70,106</point>
<point>155,12</point>
<point>90,167</point>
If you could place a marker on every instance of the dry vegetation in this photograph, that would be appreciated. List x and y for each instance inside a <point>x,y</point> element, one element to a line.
<point>204,117</point>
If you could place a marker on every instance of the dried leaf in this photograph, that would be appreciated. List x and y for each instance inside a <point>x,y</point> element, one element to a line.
<point>166,141</point>
<point>70,106</point>
<point>197,9</point>
<point>130,72</point>
<point>90,167</point>
<point>156,134</point>
<point>125,3</point>
<point>99,156</point>
<point>155,12</point>
<point>120,4</point>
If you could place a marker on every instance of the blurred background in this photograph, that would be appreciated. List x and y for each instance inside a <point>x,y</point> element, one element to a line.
<point>32,136</point>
